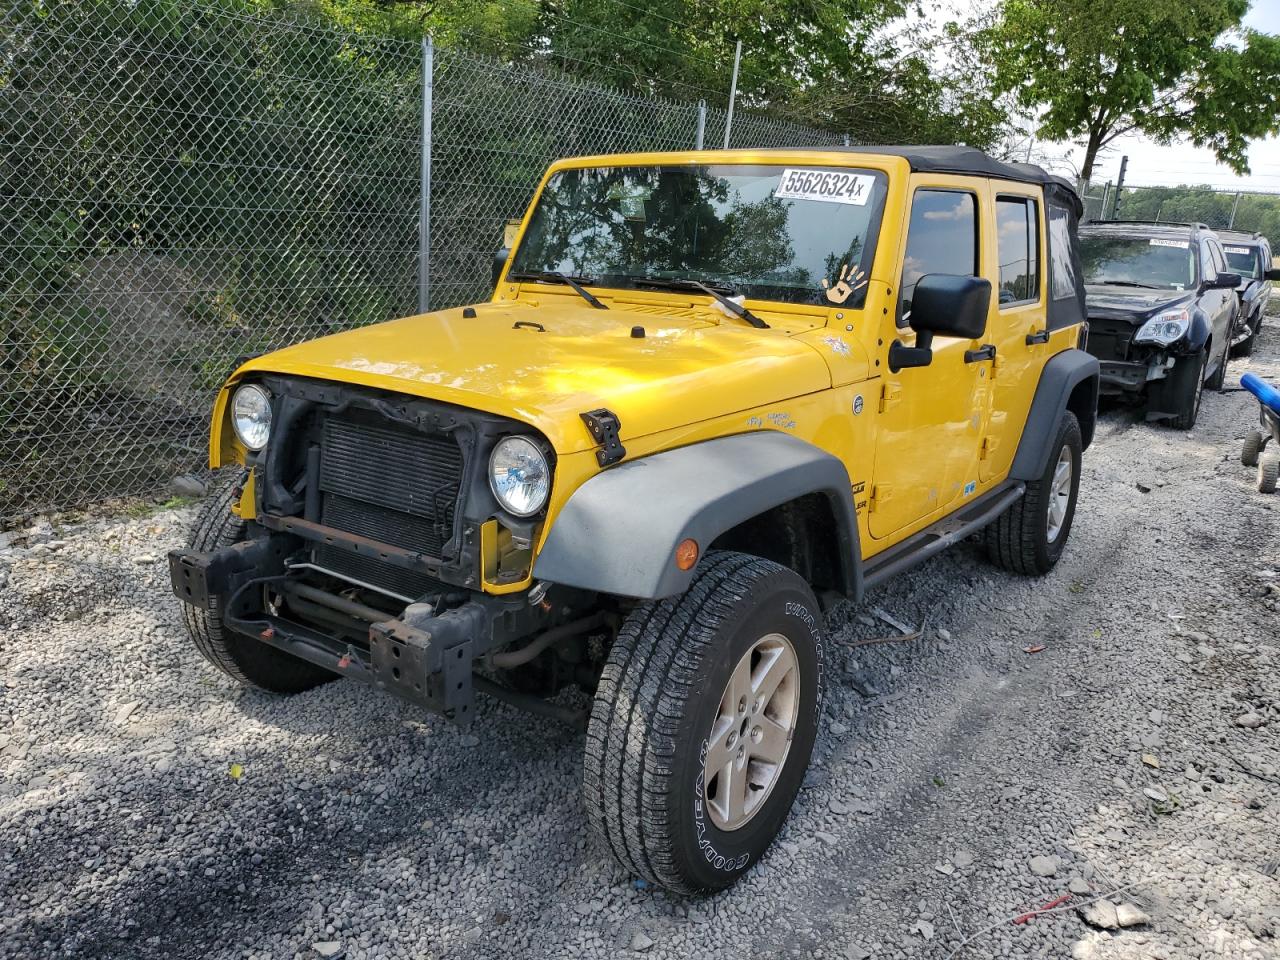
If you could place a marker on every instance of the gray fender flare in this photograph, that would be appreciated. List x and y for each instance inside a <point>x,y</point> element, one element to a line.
<point>1060,376</point>
<point>618,532</point>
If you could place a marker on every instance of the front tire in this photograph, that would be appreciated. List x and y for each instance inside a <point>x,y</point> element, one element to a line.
<point>703,724</point>
<point>1030,536</point>
<point>1245,347</point>
<point>1219,378</point>
<point>1188,389</point>
<point>244,659</point>
<point>1254,441</point>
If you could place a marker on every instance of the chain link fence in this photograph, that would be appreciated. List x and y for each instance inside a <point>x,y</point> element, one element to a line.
<point>1243,211</point>
<point>188,183</point>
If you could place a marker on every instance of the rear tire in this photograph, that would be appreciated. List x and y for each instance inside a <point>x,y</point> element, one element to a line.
<point>1030,536</point>
<point>244,659</point>
<point>1254,441</point>
<point>677,779</point>
<point>1268,473</point>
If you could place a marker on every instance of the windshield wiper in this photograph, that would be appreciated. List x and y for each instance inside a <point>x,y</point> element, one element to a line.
<point>1128,283</point>
<point>554,276</point>
<point>722,294</point>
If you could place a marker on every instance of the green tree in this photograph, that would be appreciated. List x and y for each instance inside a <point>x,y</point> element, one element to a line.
<point>856,66</point>
<point>1173,70</point>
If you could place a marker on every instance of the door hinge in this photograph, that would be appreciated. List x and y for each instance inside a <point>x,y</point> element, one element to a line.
<point>989,445</point>
<point>880,493</point>
<point>890,394</point>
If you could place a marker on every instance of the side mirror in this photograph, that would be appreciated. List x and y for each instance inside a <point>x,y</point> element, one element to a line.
<point>1225,281</point>
<point>945,305</point>
<point>1273,274</point>
<point>499,261</point>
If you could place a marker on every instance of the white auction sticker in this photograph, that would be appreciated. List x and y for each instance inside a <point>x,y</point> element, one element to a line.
<point>825,185</point>
<point>1244,251</point>
<point>1180,244</point>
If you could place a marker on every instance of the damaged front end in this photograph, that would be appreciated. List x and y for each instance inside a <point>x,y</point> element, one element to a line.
<point>375,548</point>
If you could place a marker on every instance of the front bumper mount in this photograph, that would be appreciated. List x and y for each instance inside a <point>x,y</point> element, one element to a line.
<point>422,656</point>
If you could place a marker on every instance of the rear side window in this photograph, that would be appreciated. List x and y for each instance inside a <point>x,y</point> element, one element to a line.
<point>942,237</point>
<point>1018,236</point>
<point>1063,275</point>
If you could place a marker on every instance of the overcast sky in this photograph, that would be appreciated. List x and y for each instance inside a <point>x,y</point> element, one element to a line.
<point>1156,165</point>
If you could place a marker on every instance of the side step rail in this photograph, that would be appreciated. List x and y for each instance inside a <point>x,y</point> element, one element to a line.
<point>938,536</point>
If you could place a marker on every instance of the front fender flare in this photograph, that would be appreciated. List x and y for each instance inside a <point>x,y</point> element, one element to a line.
<point>618,532</point>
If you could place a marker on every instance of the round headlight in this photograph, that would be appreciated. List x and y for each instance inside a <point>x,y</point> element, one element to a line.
<point>251,416</point>
<point>519,476</point>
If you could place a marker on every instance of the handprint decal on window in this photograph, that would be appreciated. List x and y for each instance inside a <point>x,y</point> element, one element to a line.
<point>850,281</point>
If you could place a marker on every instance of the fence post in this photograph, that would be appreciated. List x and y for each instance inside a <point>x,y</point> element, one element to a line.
<point>424,199</point>
<point>1234,204</point>
<point>702,125</point>
<point>846,140</point>
<point>733,93</point>
<point>1106,195</point>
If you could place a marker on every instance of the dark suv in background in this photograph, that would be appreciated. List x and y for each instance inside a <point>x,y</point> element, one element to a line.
<point>1248,254</point>
<point>1162,307</point>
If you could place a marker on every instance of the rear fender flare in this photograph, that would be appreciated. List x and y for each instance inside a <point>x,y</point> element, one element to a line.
<point>618,532</point>
<point>1068,381</point>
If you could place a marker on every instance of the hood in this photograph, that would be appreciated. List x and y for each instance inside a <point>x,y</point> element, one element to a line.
<point>1134,304</point>
<point>683,370</point>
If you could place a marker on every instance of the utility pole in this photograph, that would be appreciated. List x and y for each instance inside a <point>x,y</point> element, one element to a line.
<point>702,125</point>
<point>733,93</point>
<point>1124,166</point>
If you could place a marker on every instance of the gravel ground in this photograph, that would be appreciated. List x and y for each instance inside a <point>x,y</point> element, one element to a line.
<point>150,808</point>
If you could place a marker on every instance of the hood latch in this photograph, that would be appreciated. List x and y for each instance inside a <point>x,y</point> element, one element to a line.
<point>604,426</point>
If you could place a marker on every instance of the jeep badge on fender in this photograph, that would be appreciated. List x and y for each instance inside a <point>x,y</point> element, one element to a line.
<point>712,393</point>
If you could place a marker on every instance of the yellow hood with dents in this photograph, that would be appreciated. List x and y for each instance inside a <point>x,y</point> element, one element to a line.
<point>684,370</point>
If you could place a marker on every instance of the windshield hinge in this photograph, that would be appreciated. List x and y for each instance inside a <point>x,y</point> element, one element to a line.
<point>604,426</point>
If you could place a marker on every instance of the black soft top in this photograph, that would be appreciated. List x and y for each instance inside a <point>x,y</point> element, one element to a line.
<point>971,161</point>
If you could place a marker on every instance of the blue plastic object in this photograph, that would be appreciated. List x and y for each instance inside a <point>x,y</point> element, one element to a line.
<point>1267,395</point>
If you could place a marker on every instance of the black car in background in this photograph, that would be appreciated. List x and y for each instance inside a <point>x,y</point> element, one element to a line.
<point>1162,306</point>
<point>1248,254</point>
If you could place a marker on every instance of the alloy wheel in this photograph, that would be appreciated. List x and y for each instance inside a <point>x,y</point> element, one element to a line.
<point>751,733</point>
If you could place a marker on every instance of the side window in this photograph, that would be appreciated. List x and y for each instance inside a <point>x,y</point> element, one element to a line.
<point>1018,239</point>
<point>942,237</point>
<point>1062,276</point>
<point>1219,258</point>
<point>1207,269</point>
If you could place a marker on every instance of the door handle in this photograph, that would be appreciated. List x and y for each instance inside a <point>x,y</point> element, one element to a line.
<point>985,352</point>
<point>1040,336</point>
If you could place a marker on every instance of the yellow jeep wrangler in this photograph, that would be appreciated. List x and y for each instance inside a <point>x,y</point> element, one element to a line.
<point>712,393</point>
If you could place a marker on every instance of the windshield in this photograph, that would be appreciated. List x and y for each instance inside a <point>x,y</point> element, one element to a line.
<point>1145,261</point>
<point>1243,261</point>
<point>769,232</point>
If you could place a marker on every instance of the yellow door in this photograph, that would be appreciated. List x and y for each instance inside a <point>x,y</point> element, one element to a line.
<point>1018,323</point>
<point>932,419</point>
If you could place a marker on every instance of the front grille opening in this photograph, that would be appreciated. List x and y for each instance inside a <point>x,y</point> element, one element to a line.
<point>390,484</point>
<point>1110,339</point>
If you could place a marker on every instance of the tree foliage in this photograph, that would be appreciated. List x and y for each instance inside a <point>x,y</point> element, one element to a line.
<point>856,66</point>
<point>1173,70</point>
